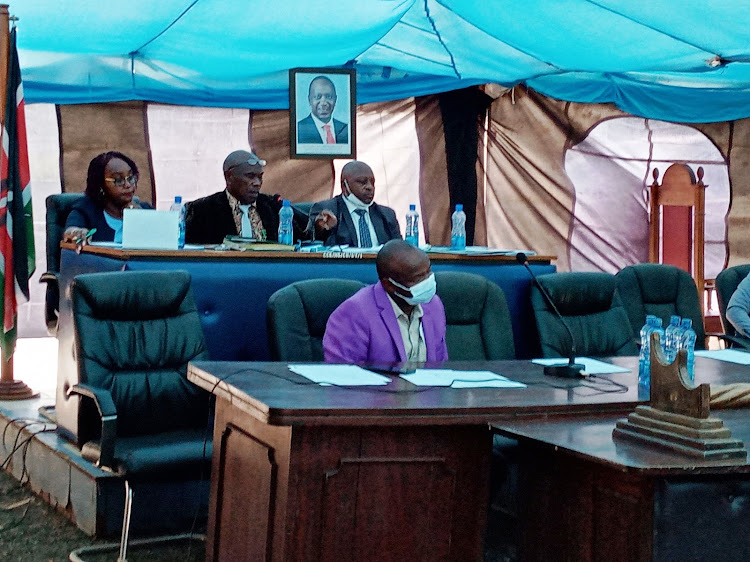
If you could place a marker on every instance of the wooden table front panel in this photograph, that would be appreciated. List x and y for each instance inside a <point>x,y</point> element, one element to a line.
<point>346,493</point>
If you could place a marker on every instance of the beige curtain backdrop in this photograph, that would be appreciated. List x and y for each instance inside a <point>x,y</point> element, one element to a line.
<point>88,130</point>
<point>529,200</point>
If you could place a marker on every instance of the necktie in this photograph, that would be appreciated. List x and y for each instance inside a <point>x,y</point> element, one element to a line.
<point>246,230</point>
<point>365,241</point>
<point>259,231</point>
<point>329,134</point>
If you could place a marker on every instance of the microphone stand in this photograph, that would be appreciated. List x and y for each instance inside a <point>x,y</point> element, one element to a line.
<point>571,369</point>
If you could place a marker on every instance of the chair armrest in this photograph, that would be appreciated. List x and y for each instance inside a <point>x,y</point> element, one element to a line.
<point>49,277</point>
<point>108,412</point>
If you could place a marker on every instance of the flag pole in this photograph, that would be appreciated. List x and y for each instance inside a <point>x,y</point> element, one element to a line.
<point>10,389</point>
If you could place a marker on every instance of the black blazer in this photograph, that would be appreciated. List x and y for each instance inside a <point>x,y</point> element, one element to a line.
<point>307,132</point>
<point>87,213</point>
<point>383,220</point>
<point>209,219</point>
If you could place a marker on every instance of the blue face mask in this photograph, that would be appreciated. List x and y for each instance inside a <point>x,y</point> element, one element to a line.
<point>421,292</point>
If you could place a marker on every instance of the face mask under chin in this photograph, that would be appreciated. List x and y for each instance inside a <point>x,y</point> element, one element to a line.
<point>356,202</point>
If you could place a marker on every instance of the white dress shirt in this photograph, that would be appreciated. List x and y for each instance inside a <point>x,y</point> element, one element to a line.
<point>411,330</point>
<point>319,125</point>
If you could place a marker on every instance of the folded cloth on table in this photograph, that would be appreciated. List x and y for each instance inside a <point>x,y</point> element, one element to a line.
<point>735,395</point>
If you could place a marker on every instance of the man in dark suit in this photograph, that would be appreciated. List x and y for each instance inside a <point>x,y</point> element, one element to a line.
<point>320,127</point>
<point>353,217</point>
<point>240,209</point>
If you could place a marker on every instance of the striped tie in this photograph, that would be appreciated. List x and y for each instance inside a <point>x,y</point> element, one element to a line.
<point>365,241</point>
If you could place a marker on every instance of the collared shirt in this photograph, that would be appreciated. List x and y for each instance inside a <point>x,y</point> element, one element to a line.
<point>319,125</point>
<point>257,229</point>
<point>412,332</point>
<point>355,219</point>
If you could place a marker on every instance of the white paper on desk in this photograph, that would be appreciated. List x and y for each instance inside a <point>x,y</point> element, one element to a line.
<point>728,355</point>
<point>339,375</point>
<point>147,229</point>
<point>460,379</point>
<point>591,366</point>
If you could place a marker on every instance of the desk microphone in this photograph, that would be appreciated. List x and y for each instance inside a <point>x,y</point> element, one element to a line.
<point>571,369</point>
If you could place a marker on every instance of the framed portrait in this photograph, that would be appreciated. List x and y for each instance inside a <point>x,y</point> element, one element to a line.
<point>322,112</point>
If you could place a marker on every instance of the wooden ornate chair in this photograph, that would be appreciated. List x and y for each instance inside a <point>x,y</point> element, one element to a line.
<point>677,217</point>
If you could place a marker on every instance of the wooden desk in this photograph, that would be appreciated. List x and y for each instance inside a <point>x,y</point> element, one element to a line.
<point>304,472</point>
<point>585,496</point>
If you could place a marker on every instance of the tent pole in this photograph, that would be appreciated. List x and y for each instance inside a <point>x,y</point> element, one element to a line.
<point>9,389</point>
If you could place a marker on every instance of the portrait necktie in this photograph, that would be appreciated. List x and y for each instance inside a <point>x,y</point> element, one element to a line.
<point>329,134</point>
<point>365,241</point>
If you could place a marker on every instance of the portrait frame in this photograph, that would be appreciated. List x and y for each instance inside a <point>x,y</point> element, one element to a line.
<point>305,139</point>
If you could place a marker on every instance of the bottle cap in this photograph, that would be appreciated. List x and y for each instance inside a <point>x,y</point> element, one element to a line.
<point>286,203</point>
<point>412,207</point>
<point>178,198</point>
<point>459,207</point>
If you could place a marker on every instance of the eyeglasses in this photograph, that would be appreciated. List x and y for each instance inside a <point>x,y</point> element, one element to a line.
<point>252,161</point>
<point>132,179</point>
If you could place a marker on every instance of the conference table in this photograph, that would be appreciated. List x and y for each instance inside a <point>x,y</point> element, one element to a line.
<point>232,288</point>
<point>587,496</point>
<point>399,472</point>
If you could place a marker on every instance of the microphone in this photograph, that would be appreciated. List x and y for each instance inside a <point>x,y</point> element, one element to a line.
<point>571,369</point>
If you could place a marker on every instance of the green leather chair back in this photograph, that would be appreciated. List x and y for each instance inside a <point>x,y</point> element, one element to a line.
<point>58,209</point>
<point>726,284</point>
<point>661,290</point>
<point>135,332</point>
<point>297,315</point>
<point>592,308</point>
<point>477,317</point>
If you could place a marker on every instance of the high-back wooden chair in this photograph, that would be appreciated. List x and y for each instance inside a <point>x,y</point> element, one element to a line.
<point>677,221</point>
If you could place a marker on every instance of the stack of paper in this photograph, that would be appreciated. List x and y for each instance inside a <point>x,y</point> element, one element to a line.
<point>728,355</point>
<point>460,379</point>
<point>339,375</point>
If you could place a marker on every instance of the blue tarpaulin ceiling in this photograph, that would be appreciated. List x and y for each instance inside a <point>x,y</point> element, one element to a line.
<point>675,60</point>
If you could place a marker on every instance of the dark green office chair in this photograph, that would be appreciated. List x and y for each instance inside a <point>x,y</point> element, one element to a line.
<point>726,284</point>
<point>662,290</point>
<point>477,317</point>
<point>135,332</point>
<point>297,315</point>
<point>58,209</point>
<point>590,304</point>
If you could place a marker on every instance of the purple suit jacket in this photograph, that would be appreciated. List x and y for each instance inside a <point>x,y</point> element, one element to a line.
<point>364,329</point>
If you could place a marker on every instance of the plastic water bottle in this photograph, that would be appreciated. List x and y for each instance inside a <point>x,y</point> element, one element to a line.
<point>672,336</point>
<point>286,231</point>
<point>458,230</point>
<point>644,360</point>
<point>688,344</point>
<point>179,207</point>
<point>412,226</point>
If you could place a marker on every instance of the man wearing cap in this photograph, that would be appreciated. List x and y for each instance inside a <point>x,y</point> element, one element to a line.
<point>240,209</point>
<point>397,320</point>
<point>353,217</point>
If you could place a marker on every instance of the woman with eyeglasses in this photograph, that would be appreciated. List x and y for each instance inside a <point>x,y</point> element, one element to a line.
<point>110,189</point>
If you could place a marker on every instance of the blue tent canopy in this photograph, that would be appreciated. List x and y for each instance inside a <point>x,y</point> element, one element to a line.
<point>674,60</point>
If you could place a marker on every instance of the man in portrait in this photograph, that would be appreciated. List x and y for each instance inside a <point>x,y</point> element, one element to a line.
<point>320,127</point>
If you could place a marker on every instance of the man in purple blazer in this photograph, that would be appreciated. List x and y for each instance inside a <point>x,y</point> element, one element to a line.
<point>399,319</point>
